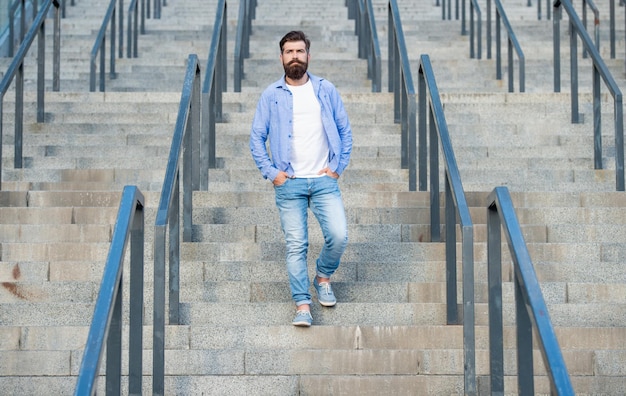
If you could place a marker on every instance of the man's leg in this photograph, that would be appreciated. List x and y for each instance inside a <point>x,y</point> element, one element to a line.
<point>292,203</point>
<point>327,205</point>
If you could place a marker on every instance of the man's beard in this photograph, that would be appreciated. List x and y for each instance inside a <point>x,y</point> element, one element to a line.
<point>295,70</point>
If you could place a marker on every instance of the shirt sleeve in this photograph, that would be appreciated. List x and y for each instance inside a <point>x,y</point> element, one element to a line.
<point>258,139</point>
<point>345,131</point>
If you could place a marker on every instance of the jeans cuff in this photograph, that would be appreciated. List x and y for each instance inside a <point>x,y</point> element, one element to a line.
<point>303,302</point>
<point>320,275</point>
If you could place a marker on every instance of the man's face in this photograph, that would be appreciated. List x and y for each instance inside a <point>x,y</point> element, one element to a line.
<point>295,59</point>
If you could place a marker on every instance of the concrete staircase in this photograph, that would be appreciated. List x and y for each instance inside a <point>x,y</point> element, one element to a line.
<point>388,333</point>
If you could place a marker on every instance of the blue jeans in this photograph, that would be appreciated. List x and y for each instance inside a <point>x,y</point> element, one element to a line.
<point>322,195</point>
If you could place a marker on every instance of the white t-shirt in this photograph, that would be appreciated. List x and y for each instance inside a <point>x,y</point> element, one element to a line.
<point>309,143</point>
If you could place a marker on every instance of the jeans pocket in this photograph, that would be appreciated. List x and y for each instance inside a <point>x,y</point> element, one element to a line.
<point>281,185</point>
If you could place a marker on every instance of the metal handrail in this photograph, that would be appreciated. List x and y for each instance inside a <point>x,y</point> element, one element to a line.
<point>16,72</point>
<point>548,11</point>
<point>475,38</point>
<point>444,8</point>
<point>213,85</point>
<point>369,47</point>
<point>107,315</point>
<point>351,5</point>
<point>134,27</point>
<point>11,13</point>
<point>612,27</point>
<point>186,137</point>
<point>456,207</point>
<point>600,71</point>
<point>456,12</point>
<point>404,107</point>
<point>12,10</point>
<point>158,8</point>
<point>530,307</point>
<point>512,43</point>
<point>475,23</point>
<point>596,22</point>
<point>100,46</point>
<point>622,3</point>
<point>242,41</point>
<point>63,2</point>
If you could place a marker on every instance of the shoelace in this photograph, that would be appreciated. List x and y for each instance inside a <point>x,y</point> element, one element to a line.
<point>326,287</point>
<point>303,312</point>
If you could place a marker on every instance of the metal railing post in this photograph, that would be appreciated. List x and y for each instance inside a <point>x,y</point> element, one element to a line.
<point>573,58</point>
<point>121,29</point>
<point>556,54</point>
<point>56,51</point>
<point>41,71</point>
<point>475,32</point>
<point>405,109</point>
<point>369,47</point>
<point>612,27</point>
<point>530,307</point>
<point>136,308</point>
<point>512,45</point>
<point>100,47</point>
<point>107,317</point>
<point>494,279</point>
<point>213,85</point>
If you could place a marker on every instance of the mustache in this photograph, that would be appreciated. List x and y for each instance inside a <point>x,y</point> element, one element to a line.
<point>295,69</point>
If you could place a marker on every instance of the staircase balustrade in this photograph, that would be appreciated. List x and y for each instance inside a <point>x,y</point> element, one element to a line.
<point>100,47</point>
<point>512,44</point>
<point>404,108</point>
<point>600,71</point>
<point>16,72</point>
<point>134,28</point>
<point>242,41</point>
<point>63,3</point>
<point>97,69</point>
<point>448,15</point>
<point>107,317</point>
<point>530,307</point>
<point>184,148</point>
<point>13,7</point>
<point>475,23</point>
<point>213,85</point>
<point>596,22</point>
<point>369,47</point>
<point>476,30</point>
<point>158,8</point>
<point>431,109</point>
<point>548,8</point>
<point>612,37</point>
<point>22,6</point>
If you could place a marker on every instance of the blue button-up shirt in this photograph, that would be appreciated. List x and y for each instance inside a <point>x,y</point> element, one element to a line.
<point>274,120</point>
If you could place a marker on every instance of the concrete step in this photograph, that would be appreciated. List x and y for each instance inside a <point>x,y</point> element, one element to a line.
<point>235,270</point>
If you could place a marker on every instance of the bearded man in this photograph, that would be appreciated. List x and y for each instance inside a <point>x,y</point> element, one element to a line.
<point>310,142</point>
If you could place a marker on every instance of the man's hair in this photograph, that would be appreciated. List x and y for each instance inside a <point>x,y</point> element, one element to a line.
<point>295,35</point>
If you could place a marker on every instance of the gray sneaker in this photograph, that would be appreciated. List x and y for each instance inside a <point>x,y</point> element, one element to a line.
<point>303,318</point>
<point>325,294</point>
